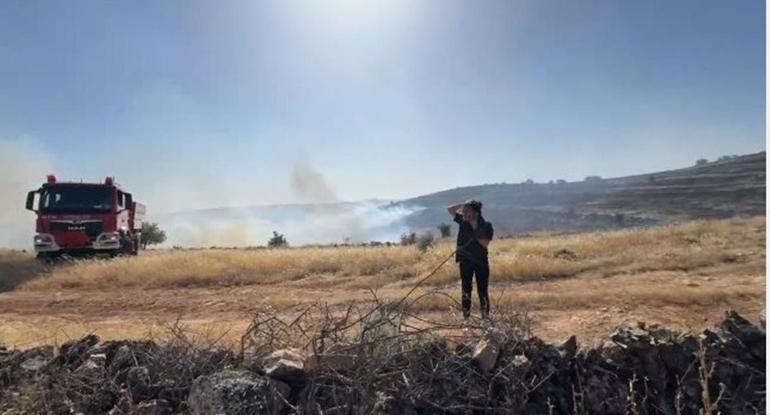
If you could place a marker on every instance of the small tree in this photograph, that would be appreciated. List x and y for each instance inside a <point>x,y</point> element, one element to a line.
<point>701,162</point>
<point>425,241</point>
<point>727,157</point>
<point>408,238</point>
<point>619,217</point>
<point>152,234</point>
<point>445,230</point>
<point>278,240</point>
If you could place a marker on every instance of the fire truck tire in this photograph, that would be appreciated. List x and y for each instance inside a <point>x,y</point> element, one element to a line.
<point>47,257</point>
<point>126,245</point>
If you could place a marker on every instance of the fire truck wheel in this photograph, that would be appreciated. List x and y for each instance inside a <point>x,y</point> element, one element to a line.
<point>135,246</point>
<point>48,257</point>
<point>125,245</point>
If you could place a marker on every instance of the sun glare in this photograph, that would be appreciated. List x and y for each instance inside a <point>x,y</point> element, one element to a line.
<point>348,17</point>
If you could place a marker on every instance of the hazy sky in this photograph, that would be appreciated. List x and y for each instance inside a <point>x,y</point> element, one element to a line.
<point>207,103</point>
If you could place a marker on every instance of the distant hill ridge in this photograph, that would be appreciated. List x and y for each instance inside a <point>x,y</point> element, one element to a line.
<point>719,189</point>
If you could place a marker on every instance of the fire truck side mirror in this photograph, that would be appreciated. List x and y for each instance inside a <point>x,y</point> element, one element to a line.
<point>31,201</point>
<point>128,201</point>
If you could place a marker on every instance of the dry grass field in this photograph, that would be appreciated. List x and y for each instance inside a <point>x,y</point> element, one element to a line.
<point>586,283</point>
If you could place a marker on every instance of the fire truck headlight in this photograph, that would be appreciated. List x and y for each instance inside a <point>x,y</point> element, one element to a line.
<point>110,237</point>
<point>43,240</point>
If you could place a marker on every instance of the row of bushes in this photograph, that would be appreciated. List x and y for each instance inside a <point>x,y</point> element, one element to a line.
<point>423,242</point>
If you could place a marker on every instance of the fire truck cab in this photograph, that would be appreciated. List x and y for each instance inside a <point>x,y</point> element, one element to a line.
<point>85,219</point>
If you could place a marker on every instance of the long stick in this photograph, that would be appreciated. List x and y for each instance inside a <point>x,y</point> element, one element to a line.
<point>425,278</point>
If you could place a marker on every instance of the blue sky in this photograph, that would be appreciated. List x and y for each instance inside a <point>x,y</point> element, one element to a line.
<point>195,104</point>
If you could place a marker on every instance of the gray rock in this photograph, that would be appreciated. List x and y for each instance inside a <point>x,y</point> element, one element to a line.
<point>286,365</point>
<point>90,369</point>
<point>238,392</point>
<point>18,364</point>
<point>339,357</point>
<point>75,351</point>
<point>122,358</point>
<point>739,334</point>
<point>122,354</point>
<point>487,350</point>
<point>569,347</point>
<point>99,358</point>
<point>33,364</point>
<point>31,360</point>
<point>520,361</point>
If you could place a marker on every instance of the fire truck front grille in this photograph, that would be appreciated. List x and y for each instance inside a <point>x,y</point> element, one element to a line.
<point>91,228</point>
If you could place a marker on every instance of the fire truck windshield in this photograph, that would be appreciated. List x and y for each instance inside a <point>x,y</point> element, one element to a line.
<point>76,198</point>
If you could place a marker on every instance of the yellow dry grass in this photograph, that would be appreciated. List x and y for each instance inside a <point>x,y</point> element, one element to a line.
<point>180,268</point>
<point>687,247</point>
<point>680,275</point>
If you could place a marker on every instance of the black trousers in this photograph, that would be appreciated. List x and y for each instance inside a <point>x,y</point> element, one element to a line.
<point>469,268</point>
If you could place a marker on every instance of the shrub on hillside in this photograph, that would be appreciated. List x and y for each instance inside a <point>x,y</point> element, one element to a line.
<point>445,230</point>
<point>727,158</point>
<point>278,240</point>
<point>425,241</point>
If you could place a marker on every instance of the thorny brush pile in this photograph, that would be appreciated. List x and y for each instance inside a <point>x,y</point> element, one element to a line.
<point>382,359</point>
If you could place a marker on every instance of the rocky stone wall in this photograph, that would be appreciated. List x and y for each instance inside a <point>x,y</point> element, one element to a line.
<point>639,370</point>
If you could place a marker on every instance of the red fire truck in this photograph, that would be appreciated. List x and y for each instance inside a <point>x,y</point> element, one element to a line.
<point>80,219</point>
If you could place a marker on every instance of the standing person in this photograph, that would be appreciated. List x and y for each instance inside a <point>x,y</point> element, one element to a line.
<point>472,241</point>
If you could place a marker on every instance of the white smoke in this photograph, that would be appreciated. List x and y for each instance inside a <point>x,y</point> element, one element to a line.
<point>301,224</point>
<point>309,184</point>
<point>23,166</point>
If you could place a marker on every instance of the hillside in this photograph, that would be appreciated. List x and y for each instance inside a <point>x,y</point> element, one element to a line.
<point>734,187</point>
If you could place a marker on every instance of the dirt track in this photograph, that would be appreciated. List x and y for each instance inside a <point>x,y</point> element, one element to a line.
<point>31,317</point>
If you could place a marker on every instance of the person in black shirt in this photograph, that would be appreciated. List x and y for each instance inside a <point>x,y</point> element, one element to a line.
<point>472,240</point>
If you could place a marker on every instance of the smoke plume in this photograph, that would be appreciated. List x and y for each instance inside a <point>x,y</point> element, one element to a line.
<point>324,219</point>
<point>23,167</point>
<point>301,224</point>
<point>309,184</point>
